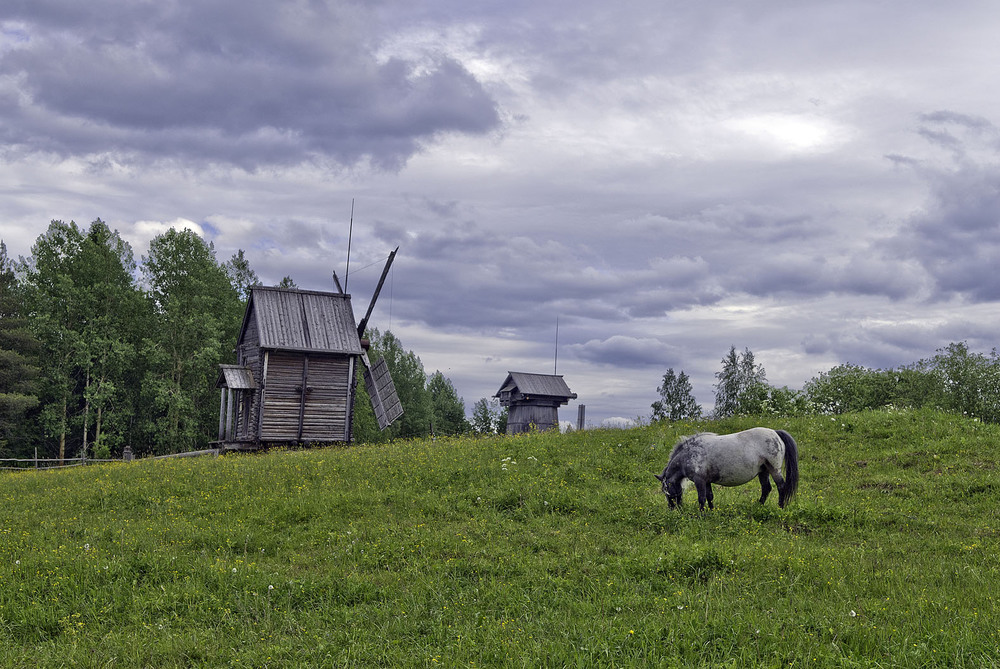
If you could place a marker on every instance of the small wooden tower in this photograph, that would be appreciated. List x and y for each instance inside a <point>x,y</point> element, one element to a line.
<point>294,381</point>
<point>533,400</point>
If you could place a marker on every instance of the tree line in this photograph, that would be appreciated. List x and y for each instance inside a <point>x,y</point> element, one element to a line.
<point>954,379</point>
<point>99,351</point>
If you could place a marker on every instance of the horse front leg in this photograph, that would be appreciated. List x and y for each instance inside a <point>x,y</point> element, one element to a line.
<point>765,486</point>
<point>704,492</point>
<point>704,489</point>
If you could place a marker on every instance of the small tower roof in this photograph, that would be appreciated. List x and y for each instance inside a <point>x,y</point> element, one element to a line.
<point>536,385</point>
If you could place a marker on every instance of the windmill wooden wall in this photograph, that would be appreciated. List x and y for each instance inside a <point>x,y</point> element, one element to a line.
<point>307,397</point>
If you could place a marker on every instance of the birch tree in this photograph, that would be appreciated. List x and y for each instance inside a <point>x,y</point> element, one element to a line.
<point>116,317</point>
<point>740,380</point>
<point>676,398</point>
<point>447,407</point>
<point>85,310</point>
<point>197,312</point>
<point>54,302</point>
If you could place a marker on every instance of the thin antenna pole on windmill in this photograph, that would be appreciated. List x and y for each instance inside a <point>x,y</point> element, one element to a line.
<point>555,364</point>
<point>350,235</point>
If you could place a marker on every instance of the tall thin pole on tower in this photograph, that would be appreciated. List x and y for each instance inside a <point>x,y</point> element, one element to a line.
<point>350,235</point>
<point>555,364</point>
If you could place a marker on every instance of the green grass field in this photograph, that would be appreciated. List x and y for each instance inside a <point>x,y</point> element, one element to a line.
<point>543,550</point>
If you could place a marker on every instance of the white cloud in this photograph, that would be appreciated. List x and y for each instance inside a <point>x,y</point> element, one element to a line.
<point>787,133</point>
<point>618,422</point>
<point>141,233</point>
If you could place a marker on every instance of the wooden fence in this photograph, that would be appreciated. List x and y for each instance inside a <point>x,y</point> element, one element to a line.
<point>24,464</point>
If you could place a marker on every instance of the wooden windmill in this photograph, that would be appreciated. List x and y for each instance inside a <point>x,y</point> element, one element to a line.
<point>294,381</point>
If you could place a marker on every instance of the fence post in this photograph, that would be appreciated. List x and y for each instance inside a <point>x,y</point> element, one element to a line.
<point>36,457</point>
<point>581,412</point>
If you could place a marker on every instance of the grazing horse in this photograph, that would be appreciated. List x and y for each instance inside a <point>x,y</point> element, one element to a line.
<point>731,460</point>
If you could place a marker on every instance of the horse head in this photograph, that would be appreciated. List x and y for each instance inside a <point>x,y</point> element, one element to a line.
<point>671,489</point>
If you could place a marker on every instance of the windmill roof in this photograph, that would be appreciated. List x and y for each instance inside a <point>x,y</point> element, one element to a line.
<point>547,385</point>
<point>303,320</point>
<point>235,377</point>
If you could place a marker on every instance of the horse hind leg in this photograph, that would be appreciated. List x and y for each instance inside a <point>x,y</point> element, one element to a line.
<point>765,486</point>
<point>779,481</point>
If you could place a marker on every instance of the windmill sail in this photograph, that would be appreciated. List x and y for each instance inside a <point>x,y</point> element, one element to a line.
<point>385,401</point>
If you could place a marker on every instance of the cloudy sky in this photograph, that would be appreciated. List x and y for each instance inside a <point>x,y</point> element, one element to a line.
<point>818,181</point>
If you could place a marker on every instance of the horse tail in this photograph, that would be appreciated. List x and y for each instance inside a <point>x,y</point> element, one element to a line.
<point>791,463</point>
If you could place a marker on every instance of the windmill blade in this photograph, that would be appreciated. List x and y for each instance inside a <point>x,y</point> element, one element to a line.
<point>381,390</point>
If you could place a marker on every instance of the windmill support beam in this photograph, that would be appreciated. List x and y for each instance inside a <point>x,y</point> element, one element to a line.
<point>229,413</point>
<point>222,413</point>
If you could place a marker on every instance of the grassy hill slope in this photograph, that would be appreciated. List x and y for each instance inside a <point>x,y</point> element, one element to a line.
<point>541,550</point>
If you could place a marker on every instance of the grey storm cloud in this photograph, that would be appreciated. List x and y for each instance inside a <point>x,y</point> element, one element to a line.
<point>249,85</point>
<point>519,281</point>
<point>955,236</point>
<point>624,351</point>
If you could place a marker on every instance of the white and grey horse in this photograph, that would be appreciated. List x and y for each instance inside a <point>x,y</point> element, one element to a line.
<point>731,460</point>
